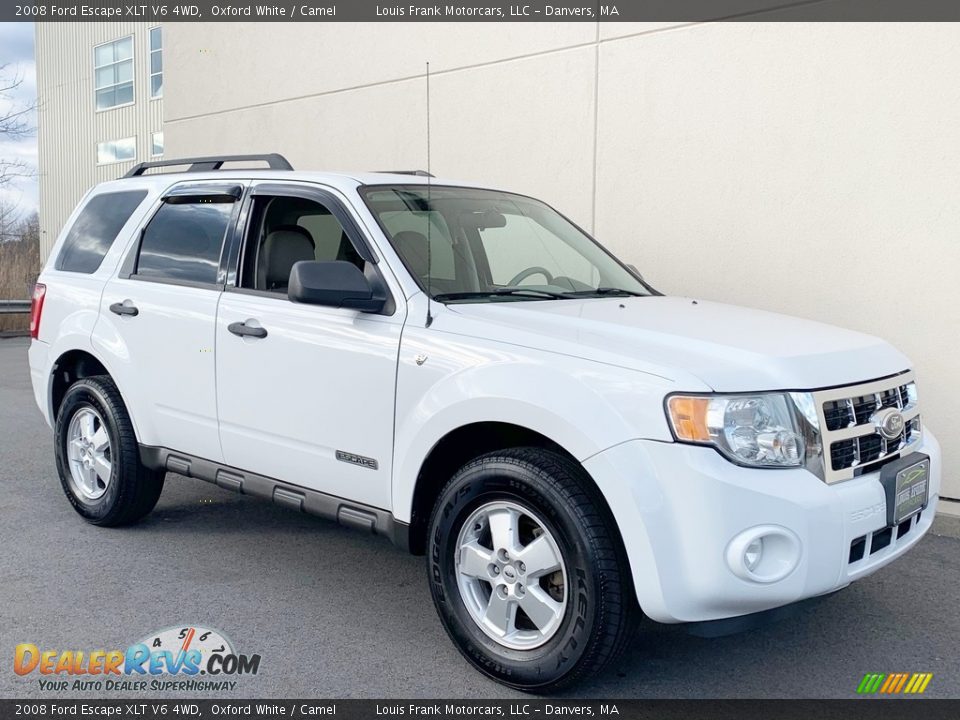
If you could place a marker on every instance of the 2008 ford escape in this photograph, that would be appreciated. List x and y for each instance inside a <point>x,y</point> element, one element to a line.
<point>468,373</point>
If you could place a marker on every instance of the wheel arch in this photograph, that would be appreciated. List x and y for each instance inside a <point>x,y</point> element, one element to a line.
<point>459,446</point>
<point>71,366</point>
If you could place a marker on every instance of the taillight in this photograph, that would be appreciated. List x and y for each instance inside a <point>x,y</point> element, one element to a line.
<point>36,309</point>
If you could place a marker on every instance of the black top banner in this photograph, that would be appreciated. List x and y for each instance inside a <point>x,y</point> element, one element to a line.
<point>479,11</point>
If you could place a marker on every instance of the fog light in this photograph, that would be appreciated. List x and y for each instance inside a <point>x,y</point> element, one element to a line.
<point>753,553</point>
<point>764,554</point>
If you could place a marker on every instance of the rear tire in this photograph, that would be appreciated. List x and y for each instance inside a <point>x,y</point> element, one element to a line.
<point>98,457</point>
<point>582,606</point>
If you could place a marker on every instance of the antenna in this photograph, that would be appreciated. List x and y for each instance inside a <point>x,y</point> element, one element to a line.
<point>429,222</point>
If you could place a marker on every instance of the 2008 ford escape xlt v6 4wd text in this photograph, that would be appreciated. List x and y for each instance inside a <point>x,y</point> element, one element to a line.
<point>468,373</point>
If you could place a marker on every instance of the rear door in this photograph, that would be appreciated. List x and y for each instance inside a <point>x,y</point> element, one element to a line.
<point>159,316</point>
<point>308,396</point>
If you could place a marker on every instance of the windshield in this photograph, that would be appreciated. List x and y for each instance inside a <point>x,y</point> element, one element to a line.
<point>488,246</point>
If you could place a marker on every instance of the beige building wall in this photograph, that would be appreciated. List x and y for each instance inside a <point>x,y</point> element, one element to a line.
<point>811,169</point>
<point>69,126</point>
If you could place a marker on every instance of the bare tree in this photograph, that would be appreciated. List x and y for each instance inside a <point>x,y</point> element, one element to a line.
<point>19,235</point>
<point>19,260</point>
<point>15,122</point>
<point>29,230</point>
<point>9,222</point>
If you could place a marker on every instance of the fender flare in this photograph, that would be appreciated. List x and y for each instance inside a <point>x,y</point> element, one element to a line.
<point>62,349</point>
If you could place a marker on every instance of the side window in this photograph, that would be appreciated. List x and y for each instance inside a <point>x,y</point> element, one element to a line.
<point>95,229</point>
<point>285,230</point>
<point>184,239</point>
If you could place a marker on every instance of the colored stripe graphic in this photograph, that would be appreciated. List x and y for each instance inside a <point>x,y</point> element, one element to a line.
<point>890,682</point>
<point>870,683</point>
<point>894,683</point>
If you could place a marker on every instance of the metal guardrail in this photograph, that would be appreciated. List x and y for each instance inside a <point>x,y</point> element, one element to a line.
<point>8,307</point>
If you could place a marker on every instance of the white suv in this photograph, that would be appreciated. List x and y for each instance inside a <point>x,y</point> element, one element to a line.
<point>469,374</point>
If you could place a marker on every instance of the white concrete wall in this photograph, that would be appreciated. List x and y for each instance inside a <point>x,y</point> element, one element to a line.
<point>803,168</point>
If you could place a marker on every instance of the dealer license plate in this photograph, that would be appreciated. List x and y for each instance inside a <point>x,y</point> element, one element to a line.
<point>911,491</point>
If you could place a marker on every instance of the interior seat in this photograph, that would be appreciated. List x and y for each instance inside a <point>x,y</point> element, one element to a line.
<point>283,246</point>
<point>412,247</point>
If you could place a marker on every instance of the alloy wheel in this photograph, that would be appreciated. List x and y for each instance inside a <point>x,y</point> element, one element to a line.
<point>89,455</point>
<point>511,575</point>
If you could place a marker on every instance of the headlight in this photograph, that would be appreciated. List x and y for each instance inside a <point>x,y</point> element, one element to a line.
<point>763,430</point>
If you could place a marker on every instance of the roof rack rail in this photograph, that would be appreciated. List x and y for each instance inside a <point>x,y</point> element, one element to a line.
<point>418,173</point>
<point>274,161</point>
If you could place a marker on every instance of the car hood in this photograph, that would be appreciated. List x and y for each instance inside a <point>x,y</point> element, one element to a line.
<point>726,347</point>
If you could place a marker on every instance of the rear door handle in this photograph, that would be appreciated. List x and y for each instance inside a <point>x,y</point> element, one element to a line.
<point>124,308</point>
<point>243,330</point>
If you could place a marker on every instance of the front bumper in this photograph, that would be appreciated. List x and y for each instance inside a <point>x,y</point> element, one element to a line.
<point>679,507</point>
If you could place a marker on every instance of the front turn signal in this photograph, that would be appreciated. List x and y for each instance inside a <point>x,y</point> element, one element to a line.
<point>688,415</point>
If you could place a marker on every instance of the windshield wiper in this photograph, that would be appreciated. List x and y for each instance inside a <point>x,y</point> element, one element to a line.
<point>517,292</point>
<point>607,291</point>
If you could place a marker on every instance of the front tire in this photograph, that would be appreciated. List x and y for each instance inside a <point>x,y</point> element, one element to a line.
<point>98,458</point>
<point>528,572</point>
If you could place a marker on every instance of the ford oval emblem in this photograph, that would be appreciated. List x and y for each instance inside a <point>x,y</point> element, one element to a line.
<point>889,422</point>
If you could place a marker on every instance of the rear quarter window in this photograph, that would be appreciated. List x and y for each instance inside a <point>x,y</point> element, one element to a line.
<point>95,229</point>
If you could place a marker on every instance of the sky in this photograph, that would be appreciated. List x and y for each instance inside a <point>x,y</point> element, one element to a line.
<point>16,52</point>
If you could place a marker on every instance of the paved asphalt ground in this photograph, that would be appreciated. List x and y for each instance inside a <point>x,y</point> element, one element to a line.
<point>335,613</point>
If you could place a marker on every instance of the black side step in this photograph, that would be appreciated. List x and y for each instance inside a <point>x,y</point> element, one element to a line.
<point>349,514</point>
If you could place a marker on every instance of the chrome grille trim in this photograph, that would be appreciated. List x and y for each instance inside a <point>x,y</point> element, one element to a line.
<point>865,435</point>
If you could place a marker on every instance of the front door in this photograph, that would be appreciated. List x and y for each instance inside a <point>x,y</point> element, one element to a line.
<point>305,393</point>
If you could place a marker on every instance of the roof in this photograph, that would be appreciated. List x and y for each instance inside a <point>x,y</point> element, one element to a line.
<point>278,168</point>
<point>340,180</point>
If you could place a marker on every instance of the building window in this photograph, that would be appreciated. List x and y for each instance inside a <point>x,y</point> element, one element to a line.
<point>156,144</point>
<point>156,62</point>
<point>114,151</point>
<point>113,71</point>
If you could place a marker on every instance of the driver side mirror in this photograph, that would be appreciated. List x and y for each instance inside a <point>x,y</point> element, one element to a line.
<point>334,283</point>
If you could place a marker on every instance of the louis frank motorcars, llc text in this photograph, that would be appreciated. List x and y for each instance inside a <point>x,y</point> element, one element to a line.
<point>518,11</point>
<point>448,709</point>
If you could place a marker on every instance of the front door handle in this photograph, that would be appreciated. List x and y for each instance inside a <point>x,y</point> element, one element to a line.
<point>243,330</point>
<point>124,308</point>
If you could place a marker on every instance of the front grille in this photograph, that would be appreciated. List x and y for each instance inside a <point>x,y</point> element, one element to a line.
<point>845,412</point>
<point>852,441</point>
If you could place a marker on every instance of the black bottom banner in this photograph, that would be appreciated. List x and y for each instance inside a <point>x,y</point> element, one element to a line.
<point>518,709</point>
